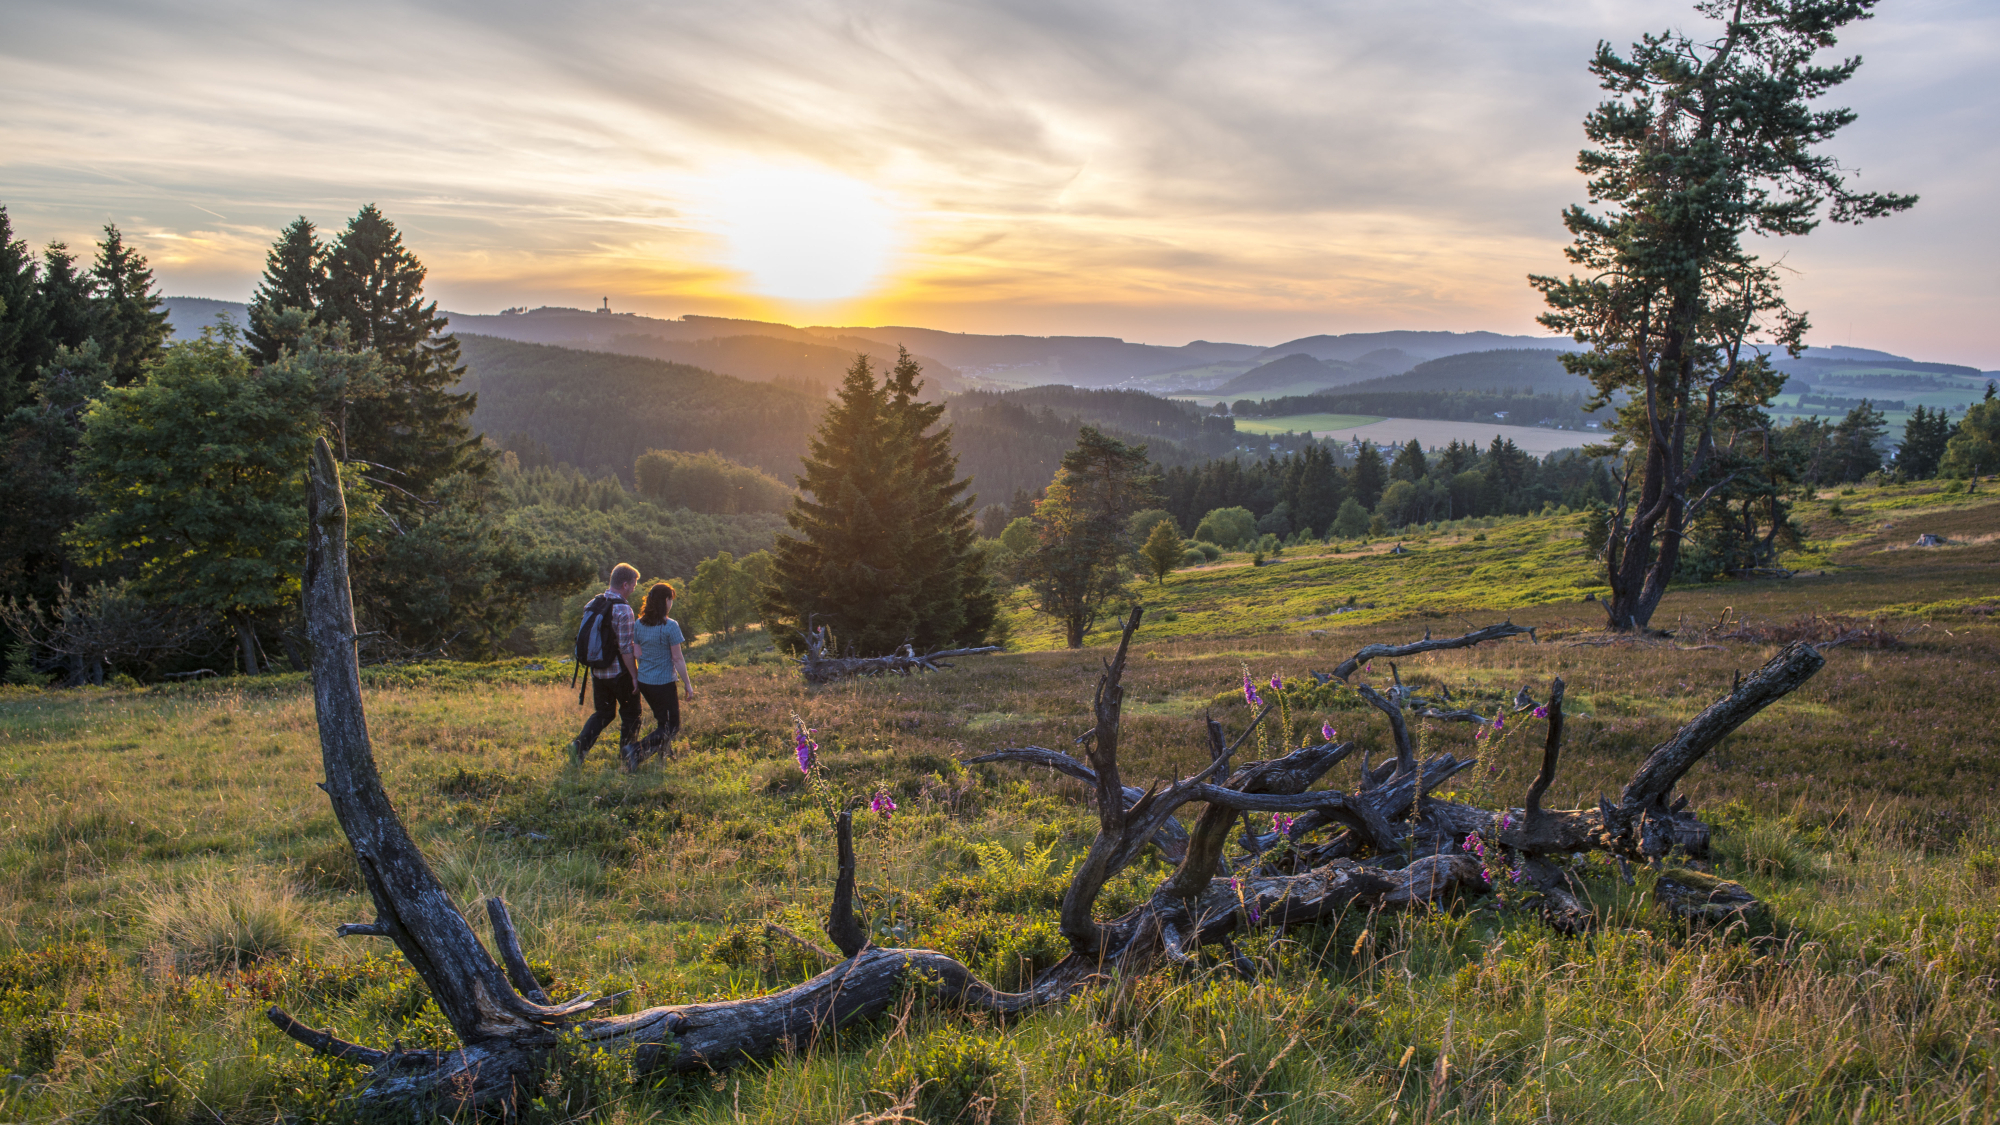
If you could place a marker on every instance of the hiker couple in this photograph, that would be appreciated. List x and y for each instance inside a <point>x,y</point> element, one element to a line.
<point>631,659</point>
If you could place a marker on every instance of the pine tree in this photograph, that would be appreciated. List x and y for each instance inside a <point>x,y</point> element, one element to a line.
<point>295,277</point>
<point>416,432</point>
<point>1084,552</point>
<point>844,566</point>
<point>125,315</point>
<point>1703,141</point>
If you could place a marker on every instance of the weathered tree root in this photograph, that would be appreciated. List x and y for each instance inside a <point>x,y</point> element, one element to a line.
<point>821,668</point>
<point>507,1028</point>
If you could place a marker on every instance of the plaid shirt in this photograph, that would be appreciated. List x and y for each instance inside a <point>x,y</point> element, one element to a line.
<point>621,620</point>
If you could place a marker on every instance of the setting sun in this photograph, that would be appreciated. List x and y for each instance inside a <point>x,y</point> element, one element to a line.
<point>803,234</point>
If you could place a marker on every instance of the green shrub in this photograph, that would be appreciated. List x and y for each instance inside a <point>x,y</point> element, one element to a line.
<point>958,1076</point>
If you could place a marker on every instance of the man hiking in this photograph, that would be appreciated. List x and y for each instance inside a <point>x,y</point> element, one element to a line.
<point>606,644</point>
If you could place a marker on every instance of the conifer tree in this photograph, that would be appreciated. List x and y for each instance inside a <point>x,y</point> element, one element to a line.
<point>294,278</point>
<point>1924,438</point>
<point>845,564</point>
<point>23,327</point>
<point>955,600</point>
<point>416,432</point>
<point>1705,139</point>
<point>126,319</point>
<point>67,296</point>
<point>1368,475</point>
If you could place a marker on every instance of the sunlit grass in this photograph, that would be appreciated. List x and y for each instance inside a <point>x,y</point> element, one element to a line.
<point>168,869</point>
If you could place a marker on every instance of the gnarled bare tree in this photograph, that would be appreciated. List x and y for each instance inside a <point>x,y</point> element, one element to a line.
<point>1393,848</point>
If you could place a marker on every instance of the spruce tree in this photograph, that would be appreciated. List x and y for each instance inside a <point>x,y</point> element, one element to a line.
<point>955,601</point>
<point>125,315</point>
<point>1368,475</point>
<point>294,278</point>
<point>845,563</point>
<point>1924,438</point>
<point>67,297</point>
<point>416,432</point>
<point>22,329</point>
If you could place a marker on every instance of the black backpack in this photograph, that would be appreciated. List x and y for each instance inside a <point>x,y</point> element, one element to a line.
<point>597,635</point>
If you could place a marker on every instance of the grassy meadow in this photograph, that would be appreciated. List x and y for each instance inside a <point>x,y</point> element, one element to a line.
<point>168,869</point>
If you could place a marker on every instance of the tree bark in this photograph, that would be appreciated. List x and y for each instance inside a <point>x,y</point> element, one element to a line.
<point>246,639</point>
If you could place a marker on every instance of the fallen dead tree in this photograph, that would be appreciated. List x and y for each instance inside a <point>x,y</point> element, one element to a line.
<point>1394,847</point>
<point>820,667</point>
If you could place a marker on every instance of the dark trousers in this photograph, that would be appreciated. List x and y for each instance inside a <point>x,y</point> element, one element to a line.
<point>610,697</point>
<point>665,702</point>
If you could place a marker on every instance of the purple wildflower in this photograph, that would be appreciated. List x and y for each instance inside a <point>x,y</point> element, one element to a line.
<point>883,803</point>
<point>1541,712</point>
<point>1327,732</point>
<point>1250,695</point>
<point>1506,821</point>
<point>1282,823</point>
<point>1475,845</point>
<point>804,747</point>
<point>1277,682</point>
<point>1499,721</point>
<point>1479,734</point>
<point>1520,875</point>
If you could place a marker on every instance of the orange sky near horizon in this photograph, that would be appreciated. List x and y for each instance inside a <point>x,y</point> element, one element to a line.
<point>1160,172</point>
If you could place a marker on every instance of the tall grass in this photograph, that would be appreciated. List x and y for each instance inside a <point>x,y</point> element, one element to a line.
<point>168,870</point>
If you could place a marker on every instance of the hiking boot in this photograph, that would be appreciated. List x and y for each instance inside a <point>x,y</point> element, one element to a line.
<point>576,750</point>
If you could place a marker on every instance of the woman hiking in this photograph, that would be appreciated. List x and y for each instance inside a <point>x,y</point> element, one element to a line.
<point>660,665</point>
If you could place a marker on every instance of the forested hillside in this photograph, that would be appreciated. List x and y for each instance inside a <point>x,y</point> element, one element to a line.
<point>599,412</point>
<point>1014,441</point>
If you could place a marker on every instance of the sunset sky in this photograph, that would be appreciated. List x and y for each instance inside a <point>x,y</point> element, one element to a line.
<point>1160,171</point>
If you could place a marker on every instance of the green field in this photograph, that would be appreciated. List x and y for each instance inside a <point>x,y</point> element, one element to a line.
<point>168,869</point>
<point>1304,423</point>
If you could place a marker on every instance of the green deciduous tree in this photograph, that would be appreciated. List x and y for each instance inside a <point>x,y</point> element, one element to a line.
<point>1162,550</point>
<point>1083,555</point>
<point>198,477</point>
<point>1227,527</point>
<point>1703,141</point>
<point>1975,449</point>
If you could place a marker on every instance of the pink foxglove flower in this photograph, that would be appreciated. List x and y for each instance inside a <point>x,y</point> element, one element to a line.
<point>1327,732</point>
<point>1250,695</point>
<point>1277,682</point>
<point>883,803</point>
<point>1283,824</point>
<point>1541,712</point>
<point>804,748</point>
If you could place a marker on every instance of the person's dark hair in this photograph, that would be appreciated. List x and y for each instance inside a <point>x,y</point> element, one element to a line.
<point>656,603</point>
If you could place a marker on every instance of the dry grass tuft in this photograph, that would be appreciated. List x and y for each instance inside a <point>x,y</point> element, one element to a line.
<point>226,921</point>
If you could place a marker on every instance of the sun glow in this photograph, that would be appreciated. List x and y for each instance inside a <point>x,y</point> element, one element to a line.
<point>802,234</point>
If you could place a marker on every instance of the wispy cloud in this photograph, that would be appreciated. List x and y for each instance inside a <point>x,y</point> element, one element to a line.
<point>1157,170</point>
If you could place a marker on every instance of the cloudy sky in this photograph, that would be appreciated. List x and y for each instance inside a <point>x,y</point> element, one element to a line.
<point>1157,170</point>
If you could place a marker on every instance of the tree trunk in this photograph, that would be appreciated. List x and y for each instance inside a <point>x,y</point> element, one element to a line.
<point>246,639</point>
